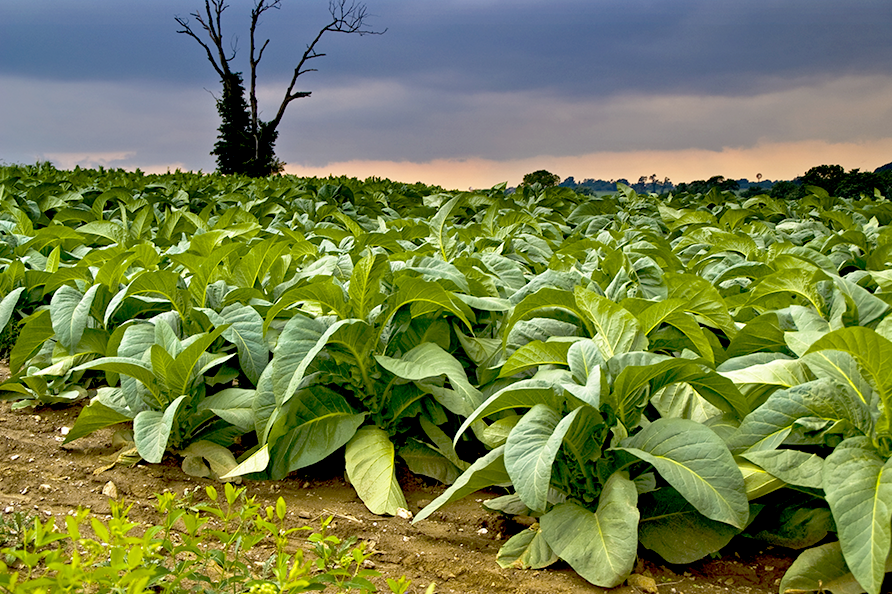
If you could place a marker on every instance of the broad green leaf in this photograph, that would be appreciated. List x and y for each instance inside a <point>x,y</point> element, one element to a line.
<point>203,267</point>
<point>129,366</point>
<point>110,230</point>
<point>874,355</point>
<point>758,481</point>
<point>821,569</point>
<point>479,350</point>
<point>152,429</point>
<point>424,460</point>
<point>36,330</point>
<point>600,546</point>
<point>672,528</point>
<point>256,463</point>
<point>794,467</point>
<point>70,311</point>
<point>162,283</point>
<point>94,417</point>
<point>526,550</point>
<point>7,306</point>
<point>311,426</point>
<point>584,359</point>
<point>530,452</point>
<point>858,487</point>
<point>113,272</point>
<point>442,443</point>
<point>233,405</point>
<point>220,459</point>
<point>371,469</point>
<point>696,462</point>
<point>487,471</point>
<point>843,369</point>
<point>496,433</point>
<point>533,354</point>
<point>683,402</point>
<point>186,367</point>
<point>135,340</point>
<point>541,303</point>
<point>245,331</point>
<point>687,325</point>
<point>428,360</point>
<point>757,382</point>
<point>432,296</point>
<point>639,370</point>
<point>702,299</point>
<point>761,334</point>
<point>253,265</point>
<point>617,330</point>
<point>807,319</point>
<point>651,314</point>
<point>433,269</point>
<point>166,337</point>
<point>439,228</point>
<point>522,394</point>
<point>801,281</point>
<point>365,284</point>
<point>870,307</point>
<point>300,342</point>
<point>508,271</point>
<point>263,406</point>
<point>485,303</point>
<point>820,405</point>
<point>161,363</point>
<point>324,293</point>
<point>52,261</point>
<point>718,391</point>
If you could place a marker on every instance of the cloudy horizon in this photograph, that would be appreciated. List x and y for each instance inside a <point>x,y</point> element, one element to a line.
<point>466,93</point>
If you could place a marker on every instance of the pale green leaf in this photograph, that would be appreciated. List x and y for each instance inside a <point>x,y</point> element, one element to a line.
<point>696,462</point>
<point>530,452</point>
<point>794,467</point>
<point>821,569</point>
<point>371,469</point>
<point>526,550</point>
<point>533,354</point>
<point>676,531</point>
<point>70,312</point>
<point>617,330</point>
<point>487,471</point>
<point>819,405</point>
<point>600,546</point>
<point>152,429</point>
<point>858,487</point>
<point>429,360</point>
<point>93,417</point>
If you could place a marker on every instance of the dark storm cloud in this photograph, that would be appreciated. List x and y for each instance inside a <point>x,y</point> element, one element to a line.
<point>451,79</point>
<point>586,48</point>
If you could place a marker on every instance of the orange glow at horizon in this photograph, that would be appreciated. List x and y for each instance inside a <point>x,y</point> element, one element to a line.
<point>776,161</point>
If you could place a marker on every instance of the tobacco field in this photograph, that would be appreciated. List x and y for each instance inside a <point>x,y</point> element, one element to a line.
<point>634,371</point>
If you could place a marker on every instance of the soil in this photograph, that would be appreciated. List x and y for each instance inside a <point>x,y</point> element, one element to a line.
<point>456,547</point>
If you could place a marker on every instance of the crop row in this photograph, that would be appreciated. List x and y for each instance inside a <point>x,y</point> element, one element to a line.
<point>669,373</point>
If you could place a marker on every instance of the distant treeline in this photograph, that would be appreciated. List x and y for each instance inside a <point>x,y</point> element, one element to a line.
<point>832,178</point>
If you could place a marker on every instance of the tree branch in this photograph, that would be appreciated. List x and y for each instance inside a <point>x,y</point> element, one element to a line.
<point>211,24</point>
<point>347,17</point>
<point>259,8</point>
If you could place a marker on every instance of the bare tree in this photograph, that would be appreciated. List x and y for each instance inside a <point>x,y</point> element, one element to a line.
<point>244,138</point>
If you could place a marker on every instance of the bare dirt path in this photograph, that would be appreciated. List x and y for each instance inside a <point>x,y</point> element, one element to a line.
<point>456,547</point>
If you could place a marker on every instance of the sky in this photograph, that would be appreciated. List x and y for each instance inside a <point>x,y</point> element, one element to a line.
<point>464,93</point>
